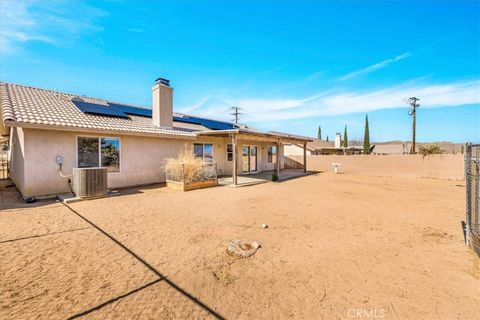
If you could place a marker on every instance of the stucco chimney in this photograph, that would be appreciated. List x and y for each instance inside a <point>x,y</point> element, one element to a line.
<point>162,103</point>
<point>338,140</point>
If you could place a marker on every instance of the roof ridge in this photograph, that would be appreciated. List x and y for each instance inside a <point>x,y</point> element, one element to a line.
<point>5,104</point>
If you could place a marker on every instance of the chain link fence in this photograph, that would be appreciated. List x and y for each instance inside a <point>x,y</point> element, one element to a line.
<point>472,180</point>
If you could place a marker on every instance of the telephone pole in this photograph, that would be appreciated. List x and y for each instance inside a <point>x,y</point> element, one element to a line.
<point>413,112</point>
<point>236,112</point>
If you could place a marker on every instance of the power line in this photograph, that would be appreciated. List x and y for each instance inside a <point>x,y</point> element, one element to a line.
<point>413,112</point>
<point>236,112</point>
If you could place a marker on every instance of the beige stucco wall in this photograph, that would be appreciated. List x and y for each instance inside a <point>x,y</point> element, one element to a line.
<point>446,166</point>
<point>294,150</point>
<point>36,172</point>
<point>141,160</point>
<point>16,156</point>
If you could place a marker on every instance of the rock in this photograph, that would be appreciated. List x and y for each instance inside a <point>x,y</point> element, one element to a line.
<point>242,249</point>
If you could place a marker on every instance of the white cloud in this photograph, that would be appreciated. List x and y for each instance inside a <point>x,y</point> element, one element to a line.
<point>53,22</point>
<point>331,103</point>
<point>374,67</point>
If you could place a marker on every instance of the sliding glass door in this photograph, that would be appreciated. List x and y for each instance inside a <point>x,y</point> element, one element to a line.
<point>249,159</point>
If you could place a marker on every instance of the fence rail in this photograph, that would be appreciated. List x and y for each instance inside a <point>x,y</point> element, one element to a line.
<point>472,180</point>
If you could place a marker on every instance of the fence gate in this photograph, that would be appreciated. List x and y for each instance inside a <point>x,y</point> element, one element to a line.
<point>472,180</point>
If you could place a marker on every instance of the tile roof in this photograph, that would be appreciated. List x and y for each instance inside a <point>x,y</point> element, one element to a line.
<point>28,105</point>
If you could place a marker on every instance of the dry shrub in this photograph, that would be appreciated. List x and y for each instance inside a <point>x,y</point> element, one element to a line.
<point>186,167</point>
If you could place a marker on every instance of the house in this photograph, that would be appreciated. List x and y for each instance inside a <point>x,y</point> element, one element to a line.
<point>393,148</point>
<point>322,147</point>
<point>131,141</point>
<point>314,147</point>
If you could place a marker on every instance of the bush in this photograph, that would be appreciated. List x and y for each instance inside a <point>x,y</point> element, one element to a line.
<point>188,168</point>
<point>274,176</point>
<point>429,150</point>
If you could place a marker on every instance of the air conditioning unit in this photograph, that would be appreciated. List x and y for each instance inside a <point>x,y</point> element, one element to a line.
<point>89,182</point>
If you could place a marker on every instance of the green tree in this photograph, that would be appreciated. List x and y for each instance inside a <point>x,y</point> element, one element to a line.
<point>345,138</point>
<point>319,132</point>
<point>366,137</point>
<point>463,150</point>
<point>327,139</point>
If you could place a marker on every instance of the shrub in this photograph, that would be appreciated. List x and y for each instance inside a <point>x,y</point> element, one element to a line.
<point>274,176</point>
<point>187,168</point>
<point>428,150</point>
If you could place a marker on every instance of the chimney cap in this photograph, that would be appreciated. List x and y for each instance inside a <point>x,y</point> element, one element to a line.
<point>163,81</point>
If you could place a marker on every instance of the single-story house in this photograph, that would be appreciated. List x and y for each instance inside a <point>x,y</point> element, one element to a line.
<point>132,142</point>
<point>392,148</point>
<point>322,147</point>
<point>313,147</point>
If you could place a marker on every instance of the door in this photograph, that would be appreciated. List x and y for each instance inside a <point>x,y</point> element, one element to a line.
<point>249,159</point>
<point>253,158</point>
<point>246,159</point>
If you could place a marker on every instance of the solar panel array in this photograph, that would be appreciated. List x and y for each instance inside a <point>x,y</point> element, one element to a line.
<point>123,111</point>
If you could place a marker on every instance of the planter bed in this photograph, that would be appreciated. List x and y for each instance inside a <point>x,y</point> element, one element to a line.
<point>187,186</point>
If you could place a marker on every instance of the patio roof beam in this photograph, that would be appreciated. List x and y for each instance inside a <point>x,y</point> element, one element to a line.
<point>234,149</point>
<point>304,157</point>
<point>278,160</point>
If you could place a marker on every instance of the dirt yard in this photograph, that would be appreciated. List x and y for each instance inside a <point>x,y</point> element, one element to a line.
<point>337,246</point>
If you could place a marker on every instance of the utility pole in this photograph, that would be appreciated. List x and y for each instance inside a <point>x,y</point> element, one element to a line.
<point>413,112</point>
<point>236,112</point>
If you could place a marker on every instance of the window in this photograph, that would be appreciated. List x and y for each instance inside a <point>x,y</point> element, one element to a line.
<point>98,152</point>
<point>110,154</point>
<point>272,154</point>
<point>203,150</point>
<point>87,152</point>
<point>229,152</point>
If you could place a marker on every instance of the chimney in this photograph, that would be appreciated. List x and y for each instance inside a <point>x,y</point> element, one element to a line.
<point>162,103</point>
<point>338,140</point>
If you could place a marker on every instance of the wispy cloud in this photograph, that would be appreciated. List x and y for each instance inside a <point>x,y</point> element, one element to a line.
<point>53,22</point>
<point>374,67</point>
<point>330,103</point>
<point>197,105</point>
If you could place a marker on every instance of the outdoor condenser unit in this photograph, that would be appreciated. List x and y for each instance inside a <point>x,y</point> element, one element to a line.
<point>89,182</point>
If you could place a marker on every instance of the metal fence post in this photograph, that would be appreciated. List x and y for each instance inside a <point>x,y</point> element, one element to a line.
<point>468,188</point>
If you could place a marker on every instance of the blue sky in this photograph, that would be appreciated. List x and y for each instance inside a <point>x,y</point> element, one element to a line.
<point>291,65</point>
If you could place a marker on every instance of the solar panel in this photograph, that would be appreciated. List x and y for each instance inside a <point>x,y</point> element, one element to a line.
<point>122,111</point>
<point>94,108</point>
<point>131,110</point>
<point>211,124</point>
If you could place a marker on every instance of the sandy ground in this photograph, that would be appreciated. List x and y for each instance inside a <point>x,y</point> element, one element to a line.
<point>337,246</point>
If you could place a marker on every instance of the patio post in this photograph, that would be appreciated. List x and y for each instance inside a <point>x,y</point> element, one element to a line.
<point>305,157</point>
<point>234,149</point>
<point>278,159</point>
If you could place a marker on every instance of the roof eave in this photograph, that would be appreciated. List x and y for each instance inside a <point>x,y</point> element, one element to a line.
<point>27,125</point>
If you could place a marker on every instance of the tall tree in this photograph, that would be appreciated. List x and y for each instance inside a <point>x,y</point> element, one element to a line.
<point>366,137</point>
<point>319,133</point>
<point>327,139</point>
<point>345,138</point>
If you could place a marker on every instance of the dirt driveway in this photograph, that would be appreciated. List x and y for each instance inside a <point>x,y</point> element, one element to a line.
<point>337,246</point>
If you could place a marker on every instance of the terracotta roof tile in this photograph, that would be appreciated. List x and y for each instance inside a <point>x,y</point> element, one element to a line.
<point>23,104</point>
